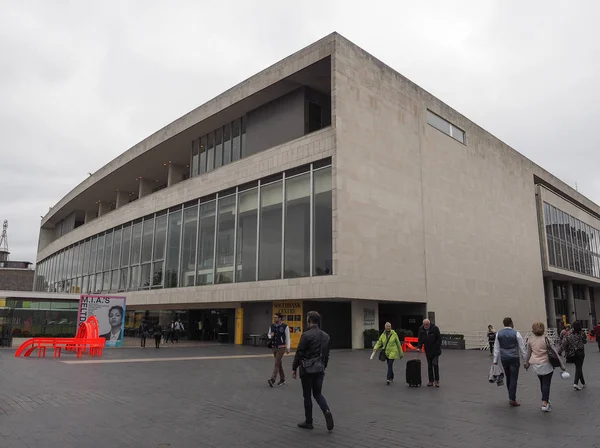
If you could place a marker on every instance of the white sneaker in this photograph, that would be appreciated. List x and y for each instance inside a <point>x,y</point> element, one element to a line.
<point>577,387</point>
<point>546,408</point>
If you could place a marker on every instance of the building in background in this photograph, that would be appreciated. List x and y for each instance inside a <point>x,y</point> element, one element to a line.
<point>14,275</point>
<point>326,182</point>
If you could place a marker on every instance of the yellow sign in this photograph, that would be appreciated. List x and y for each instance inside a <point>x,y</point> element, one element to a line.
<point>291,310</point>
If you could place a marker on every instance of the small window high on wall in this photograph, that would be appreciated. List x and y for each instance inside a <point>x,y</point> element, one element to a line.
<point>445,126</point>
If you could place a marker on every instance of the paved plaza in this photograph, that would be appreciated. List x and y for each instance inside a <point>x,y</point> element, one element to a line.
<point>217,396</point>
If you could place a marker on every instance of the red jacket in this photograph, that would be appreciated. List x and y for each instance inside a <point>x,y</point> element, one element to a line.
<point>597,331</point>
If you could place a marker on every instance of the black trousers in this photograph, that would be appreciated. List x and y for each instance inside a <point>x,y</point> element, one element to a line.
<point>545,381</point>
<point>143,340</point>
<point>157,338</point>
<point>311,387</point>
<point>579,357</point>
<point>433,368</point>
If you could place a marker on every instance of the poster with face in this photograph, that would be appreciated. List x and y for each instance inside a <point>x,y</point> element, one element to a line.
<point>110,312</point>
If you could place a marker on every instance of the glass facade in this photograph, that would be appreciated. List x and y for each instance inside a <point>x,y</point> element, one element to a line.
<point>275,228</point>
<point>572,244</point>
<point>36,317</point>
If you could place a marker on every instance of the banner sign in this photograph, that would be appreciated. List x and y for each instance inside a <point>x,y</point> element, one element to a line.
<point>292,316</point>
<point>110,312</point>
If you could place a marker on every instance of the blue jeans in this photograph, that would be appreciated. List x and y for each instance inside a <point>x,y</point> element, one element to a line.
<point>511,373</point>
<point>312,385</point>
<point>390,372</point>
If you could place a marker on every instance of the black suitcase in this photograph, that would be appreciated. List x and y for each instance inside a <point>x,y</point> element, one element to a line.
<point>413,372</point>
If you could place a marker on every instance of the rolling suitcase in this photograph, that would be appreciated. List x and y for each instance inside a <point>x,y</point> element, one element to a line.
<point>413,372</point>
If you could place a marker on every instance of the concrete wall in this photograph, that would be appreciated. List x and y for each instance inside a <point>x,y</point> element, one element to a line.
<point>16,279</point>
<point>360,310</point>
<point>422,217</point>
<point>277,122</point>
<point>258,316</point>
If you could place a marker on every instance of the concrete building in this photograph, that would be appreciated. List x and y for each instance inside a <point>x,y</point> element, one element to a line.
<point>328,181</point>
<point>14,275</point>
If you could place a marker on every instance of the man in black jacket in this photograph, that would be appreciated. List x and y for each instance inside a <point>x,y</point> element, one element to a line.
<point>430,337</point>
<point>313,346</point>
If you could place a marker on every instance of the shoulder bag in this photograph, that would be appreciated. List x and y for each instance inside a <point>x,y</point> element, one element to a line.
<point>315,365</point>
<point>552,355</point>
<point>382,356</point>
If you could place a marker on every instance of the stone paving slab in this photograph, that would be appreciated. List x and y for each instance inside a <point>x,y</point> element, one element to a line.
<point>226,402</point>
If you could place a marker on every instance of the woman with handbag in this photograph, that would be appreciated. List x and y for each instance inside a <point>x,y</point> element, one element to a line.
<point>573,346</point>
<point>391,349</point>
<point>543,357</point>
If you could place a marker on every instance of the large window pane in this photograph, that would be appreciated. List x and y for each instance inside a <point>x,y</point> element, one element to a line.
<point>188,250</point>
<point>93,250</point>
<point>86,282</point>
<point>134,279</point>
<point>123,279</point>
<point>157,274</point>
<point>173,240</point>
<point>145,273</point>
<point>160,236</point>
<point>210,152</point>
<point>227,144</point>
<point>100,253</point>
<point>106,281</point>
<point>297,226</point>
<point>225,239</point>
<point>236,141</point>
<point>202,155</point>
<point>195,158</point>
<point>322,222</point>
<point>98,283</point>
<point>270,231</point>
<point>114,282</point>
<point>206,244</point>
<point>147,231</point>
<point>116,254</point>
<point>108,250</point>
<point>136,243</point>
<point>246,236</point>
<point>218,148</point>
<point>75,261</point>
<point>245,150</point>
<point>125,249</point>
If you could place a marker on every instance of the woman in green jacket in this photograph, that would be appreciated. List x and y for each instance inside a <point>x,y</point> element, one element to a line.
<point>389,342</point>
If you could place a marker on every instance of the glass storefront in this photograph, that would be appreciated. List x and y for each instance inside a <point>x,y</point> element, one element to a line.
<point>275,228</point>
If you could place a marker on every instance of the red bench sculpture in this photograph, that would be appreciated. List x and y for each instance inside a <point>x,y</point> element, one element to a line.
<point>86,340</point>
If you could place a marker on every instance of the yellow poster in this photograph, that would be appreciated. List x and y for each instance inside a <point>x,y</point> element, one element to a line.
<point>291,310</point>
<point>239,326</point>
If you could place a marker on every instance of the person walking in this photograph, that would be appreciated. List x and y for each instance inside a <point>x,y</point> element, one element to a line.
<point>178,329</point>
<point>279,334</point>
<point>170,333</point>
<point>491,339</point>
<point>143,333</point>
<point>597,334</point>
<point>312,357</point>
<point>508,346</point>
<point>573,346</point>
<point>389,343</point>
<point>430,337</point>
<point>157,334</point>
<point>566,330</point>
<point>538,357</point>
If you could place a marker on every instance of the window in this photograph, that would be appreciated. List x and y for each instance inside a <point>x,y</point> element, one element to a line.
<point>322,223</point>
<point>160,236</point>
<point>297,226</point>
<point>218,148</point>
<point>206,244</point>
<point>210,152</point>
<point>116,254</point>
<point>247,235</point>
<point>225,239</point>
<point>202,151</point>
<point>147,232</point>
<point>173,237</point>
<point>236,145</point>
<point>227,144</point>
<point>108,250</point>
<point>271,198</point>
<point>188,249</point>
<point>445,126</point>
<point>195,157</point>
<point>126,247</point>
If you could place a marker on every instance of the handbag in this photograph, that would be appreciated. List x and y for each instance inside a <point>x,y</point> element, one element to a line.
<point>314,366</point>
<point>382,356</point>
<point>552,355</point>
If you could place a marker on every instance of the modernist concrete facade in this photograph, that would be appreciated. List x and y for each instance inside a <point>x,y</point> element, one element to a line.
<point>424,220</point>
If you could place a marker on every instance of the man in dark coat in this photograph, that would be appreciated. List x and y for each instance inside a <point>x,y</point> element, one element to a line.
<point>430,337</point>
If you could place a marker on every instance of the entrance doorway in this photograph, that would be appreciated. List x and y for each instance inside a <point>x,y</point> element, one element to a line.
<point>406,316</point>
<point>212,325</point>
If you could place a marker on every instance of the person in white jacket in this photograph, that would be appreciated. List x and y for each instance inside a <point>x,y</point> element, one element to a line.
<point>279,333</point>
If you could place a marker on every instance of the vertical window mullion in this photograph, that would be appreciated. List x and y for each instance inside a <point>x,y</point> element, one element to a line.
<point>259,217</point>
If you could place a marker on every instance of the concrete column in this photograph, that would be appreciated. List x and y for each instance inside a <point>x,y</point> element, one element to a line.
<point>365,316</point>
<point>588,299</point>
<point>145,188</point>
<point>122,198</point>
<point>103,208</point>
<point>175,175</point>
<point>550,308</point>
<point>570,304</point>
<point>89,216</point>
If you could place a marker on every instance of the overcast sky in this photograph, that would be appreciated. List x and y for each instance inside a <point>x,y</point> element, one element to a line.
<point>83,81</point>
